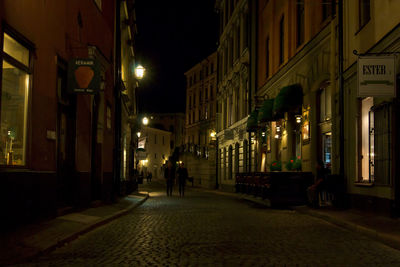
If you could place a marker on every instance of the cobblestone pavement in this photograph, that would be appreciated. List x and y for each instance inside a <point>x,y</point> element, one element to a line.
<point>206,229</point>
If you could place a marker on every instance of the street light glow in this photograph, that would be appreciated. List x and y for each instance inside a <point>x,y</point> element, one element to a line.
<point>139,71</point>
<point>145,121</point>
<point>138,134</point>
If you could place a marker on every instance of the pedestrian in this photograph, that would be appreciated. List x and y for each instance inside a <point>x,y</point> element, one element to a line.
<point>319,185</point>
<point>169,175</point>
<point>148,178</point>
<point>182,177</point>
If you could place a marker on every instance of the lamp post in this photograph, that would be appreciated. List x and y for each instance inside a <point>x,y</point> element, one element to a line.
<point>214,137</point>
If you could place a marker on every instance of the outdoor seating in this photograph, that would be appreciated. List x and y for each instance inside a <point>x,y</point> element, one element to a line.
<point>281,188</point>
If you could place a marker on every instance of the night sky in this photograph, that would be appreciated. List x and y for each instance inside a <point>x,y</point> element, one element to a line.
<point>173,36</point>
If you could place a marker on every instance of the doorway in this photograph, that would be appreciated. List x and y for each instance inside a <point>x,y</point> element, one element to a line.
<point>66,132</point>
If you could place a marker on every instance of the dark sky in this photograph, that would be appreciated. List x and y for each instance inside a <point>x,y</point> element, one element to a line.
<point>173,36</point>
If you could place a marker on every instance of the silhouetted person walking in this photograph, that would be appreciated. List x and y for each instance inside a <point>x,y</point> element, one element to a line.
<point>169,175</point>
<point>182,176</point>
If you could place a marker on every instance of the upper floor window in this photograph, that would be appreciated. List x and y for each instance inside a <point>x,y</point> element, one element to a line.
<point>300,22</point>
<point>15,85</point>
<point>212,67</point>
<point>238,42</point>
<point>267,57</point>
<point>98,4</point>
<point>281,40</point>
<point>364,12</point>
<point>326,9</point>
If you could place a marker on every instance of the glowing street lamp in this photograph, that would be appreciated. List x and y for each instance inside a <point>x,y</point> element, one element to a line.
<point>139,71</point>
<point>145,121</point>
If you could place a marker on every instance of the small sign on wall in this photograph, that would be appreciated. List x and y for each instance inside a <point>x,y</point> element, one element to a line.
<point>376,76</point>
<point>83,76</point>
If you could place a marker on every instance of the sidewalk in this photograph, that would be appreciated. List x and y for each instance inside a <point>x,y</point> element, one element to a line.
<point>34,239</point>
<point>383,229</point>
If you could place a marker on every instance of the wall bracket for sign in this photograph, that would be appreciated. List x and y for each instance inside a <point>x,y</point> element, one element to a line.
<point>355,52</point>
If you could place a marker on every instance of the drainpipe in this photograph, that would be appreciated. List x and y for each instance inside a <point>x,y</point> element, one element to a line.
<point>252,44</point>
<point>117,99</point>
<point>341,87</point>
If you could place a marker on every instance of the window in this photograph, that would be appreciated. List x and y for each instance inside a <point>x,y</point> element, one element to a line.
<point>155,155</point>
<point>15,84</point>
<point>364,12</point>
<point>230,52</point>
<point>163,140</point>
<point>108,117</point>
<point>246,31</point>
<point>238,41</point>
<point>98,4</point>
<point>281,40</point>
<point>230,154</point>
<point>375,144</point>
<point>206,93</point>
<point>155,138</point>
<point>326,9</point>
<point>212,67</point>
<point>300,22</point>
<point>267,57</point>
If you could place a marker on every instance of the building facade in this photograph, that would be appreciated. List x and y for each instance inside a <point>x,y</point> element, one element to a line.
<point>198,150</point>
<point>153,152</point>
<point>371,136</point>
<point>236,88</point>
<point>57,143</point>
<point>173,123</point>
<point>296,112</point>
<point>129,84</point>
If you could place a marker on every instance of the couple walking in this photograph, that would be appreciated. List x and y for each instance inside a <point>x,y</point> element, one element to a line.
<point>169,175</point>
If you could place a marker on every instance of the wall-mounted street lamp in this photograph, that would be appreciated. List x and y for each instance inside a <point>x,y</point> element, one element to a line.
<point>298,118</point>
<point>138,134</point>
<point>139,72</point>
<point>213,134</point>
<point>145,121</point>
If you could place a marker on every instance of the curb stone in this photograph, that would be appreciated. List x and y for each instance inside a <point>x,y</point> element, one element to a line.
<point>88,228</point>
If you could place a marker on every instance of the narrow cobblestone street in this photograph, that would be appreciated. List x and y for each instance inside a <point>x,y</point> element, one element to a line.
<point>207,229</point>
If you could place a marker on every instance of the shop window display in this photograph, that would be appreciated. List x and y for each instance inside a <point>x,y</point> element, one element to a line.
<point>15,84</point>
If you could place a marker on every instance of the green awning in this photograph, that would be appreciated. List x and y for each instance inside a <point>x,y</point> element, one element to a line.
<point>265,114</point>
<point>252,121</point>
<point>289,98</point>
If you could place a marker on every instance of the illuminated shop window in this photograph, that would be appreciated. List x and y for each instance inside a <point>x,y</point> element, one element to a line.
<point>375,151</point>
<point>15,84</point>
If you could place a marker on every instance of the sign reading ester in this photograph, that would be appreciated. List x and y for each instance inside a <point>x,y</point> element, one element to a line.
<point>376,76</point>
<point>83,76</point>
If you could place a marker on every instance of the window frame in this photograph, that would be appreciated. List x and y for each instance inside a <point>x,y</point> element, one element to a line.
<point>282,40</point>
<point>22,40</point>
<point>300,22</point>
<point>361,6</point>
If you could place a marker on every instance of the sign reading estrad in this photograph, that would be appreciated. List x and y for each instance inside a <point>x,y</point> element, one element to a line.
<point>83,76</point>
<point>376,76</point>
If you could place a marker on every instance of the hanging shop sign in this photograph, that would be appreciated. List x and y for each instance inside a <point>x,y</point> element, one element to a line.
<point>84,76</point>
<point>376,76</point>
